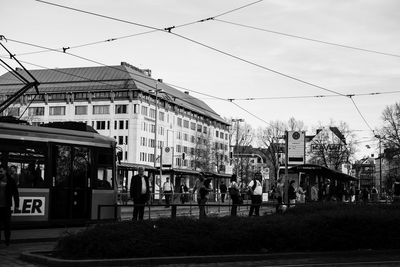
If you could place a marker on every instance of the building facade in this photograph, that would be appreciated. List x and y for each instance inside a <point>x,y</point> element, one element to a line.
<point>143,114</point>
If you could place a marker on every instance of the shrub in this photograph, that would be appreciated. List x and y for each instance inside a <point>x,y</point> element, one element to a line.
<point>303,228</point>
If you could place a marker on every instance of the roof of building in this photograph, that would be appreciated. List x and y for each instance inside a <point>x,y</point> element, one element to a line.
<point>104,78</point>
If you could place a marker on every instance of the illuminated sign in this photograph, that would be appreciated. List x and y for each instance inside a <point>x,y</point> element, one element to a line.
<point>30,206</point>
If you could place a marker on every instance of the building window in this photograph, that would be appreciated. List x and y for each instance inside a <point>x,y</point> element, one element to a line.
<point>152,128</point>
<point>144,111</point>
<point>57,111</point>
<point>199,128</point>
<point>186,124</point>
<point>135,108</point>
<point>121,125</point>
<point>179,122</point>
<point>193,126</point>
<point>126,124</point>
<point>152,113</point>
<point>36,111</point>
<point>178,148</point>
<point>192,139</point>
<point>13,111</point>
<point>226,136</point>
<point>120,140</point>
<point>161,116</point>
<point>179,135</point>
<point>80,110</point>
<point>115,125</point>
<point>216,133</point>
<point>221,135</point>
<point>120,109</point>
<point>205,129</point>
<point>185,137</point>
<point>101,109</point>
<point>100,125</point>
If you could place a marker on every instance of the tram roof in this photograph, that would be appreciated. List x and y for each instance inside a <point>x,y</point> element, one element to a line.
<point>322,171</point>
<point>105,78</point>
<point>20,132</point>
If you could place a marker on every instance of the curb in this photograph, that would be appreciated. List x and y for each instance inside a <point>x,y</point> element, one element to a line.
<point>38,257</point>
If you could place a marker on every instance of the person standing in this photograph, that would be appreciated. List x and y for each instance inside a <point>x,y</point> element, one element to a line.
<point>292,193</point>
<point>8,191</point>
<point>255,189</point>
<point>168,190</point>
<point>140,193</point>
<point>223,189</point>
<point>301,194</point>
<point>202,188</point>
<point>183,190</point>
<point>234,193</point>
<point>314,192</point>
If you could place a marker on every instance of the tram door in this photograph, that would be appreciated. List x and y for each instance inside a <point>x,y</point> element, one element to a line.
<point>70,192</point>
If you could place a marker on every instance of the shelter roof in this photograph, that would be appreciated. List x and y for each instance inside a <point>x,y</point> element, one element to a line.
<point>322,171</point>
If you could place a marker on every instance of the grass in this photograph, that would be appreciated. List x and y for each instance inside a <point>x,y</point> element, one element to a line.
<point>303,228</point>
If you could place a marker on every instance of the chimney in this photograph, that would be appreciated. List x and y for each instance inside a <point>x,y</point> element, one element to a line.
<point>186,92</point>
<point>160,80</point>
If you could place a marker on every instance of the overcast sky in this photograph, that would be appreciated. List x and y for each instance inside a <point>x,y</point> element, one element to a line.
<point>261,61</point>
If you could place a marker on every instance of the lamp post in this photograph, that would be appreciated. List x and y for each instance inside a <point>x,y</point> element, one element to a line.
<point>237,143</point>
<point>380,162</point>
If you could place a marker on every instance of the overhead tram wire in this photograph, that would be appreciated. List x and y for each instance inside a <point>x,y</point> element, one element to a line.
<point>362,116</point>
<point>308,39</point>
<point>141,33</point>
<point>168,30</point>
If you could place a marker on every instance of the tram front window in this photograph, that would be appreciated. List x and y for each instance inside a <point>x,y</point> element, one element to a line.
<point>104,170</point>
<point>25,161</point>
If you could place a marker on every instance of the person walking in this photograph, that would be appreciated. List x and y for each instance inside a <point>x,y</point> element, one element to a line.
<point>223,189</point>
<point>168,190</point>
<point>8,191</point>
<point>255,189</point>
<point>140,193</point>
<point>234,193</point>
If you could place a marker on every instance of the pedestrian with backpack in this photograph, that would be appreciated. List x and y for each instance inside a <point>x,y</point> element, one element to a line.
<point>255,190</point>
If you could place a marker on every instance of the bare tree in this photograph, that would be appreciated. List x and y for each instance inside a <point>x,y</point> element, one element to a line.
<point>390,132</point>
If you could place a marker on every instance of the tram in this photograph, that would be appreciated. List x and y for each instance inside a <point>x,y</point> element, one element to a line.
<point>62,174</point>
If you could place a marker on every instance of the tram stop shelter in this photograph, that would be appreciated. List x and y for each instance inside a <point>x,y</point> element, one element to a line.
<point>309,174</point>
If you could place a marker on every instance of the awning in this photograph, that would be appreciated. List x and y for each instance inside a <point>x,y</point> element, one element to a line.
<point>322,171</point>
<point>134,166</point>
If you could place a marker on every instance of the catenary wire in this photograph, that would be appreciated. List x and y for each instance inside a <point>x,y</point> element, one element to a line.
<point>201,44</point>
<point>141,33</point>
<point>308,39</point>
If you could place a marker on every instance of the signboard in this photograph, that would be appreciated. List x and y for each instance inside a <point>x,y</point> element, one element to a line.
<point>30,206</point>
<point>167,156</point>
<point>296,147</point>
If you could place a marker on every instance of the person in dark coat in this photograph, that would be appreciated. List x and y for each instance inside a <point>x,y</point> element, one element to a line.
<point>8,191</point>
<point>140,193</point>
<point>223,189</point>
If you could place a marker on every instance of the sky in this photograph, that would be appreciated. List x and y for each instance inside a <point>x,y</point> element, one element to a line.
<point>218,59</point>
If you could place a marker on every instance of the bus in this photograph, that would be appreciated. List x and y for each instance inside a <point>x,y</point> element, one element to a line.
<point>63,175</point>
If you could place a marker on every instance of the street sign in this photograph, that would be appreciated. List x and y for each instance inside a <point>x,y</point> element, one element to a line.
<point>296,147</point>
